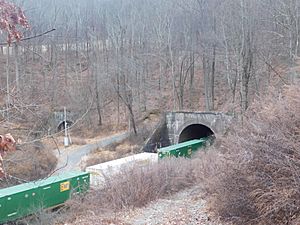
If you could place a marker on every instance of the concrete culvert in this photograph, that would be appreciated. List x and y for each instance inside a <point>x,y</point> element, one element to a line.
<point>195,131</point>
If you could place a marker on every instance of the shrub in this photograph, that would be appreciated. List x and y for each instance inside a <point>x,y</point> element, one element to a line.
<point>254,176</point>
<point>31,163</point>
<point>136,187</point>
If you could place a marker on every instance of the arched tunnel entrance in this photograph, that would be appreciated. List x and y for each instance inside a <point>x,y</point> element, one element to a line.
<point>61,126</point>
<point>194,131</point>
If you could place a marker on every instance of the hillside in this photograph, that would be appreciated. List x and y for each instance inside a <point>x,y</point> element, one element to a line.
<point>118,65</point>
<point>249,182</point>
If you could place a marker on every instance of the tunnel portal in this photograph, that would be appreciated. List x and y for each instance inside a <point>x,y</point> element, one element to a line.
<point>195,131</point>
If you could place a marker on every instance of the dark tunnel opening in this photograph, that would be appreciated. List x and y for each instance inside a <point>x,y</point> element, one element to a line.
<point>195,131</point>
<point>61,125</point>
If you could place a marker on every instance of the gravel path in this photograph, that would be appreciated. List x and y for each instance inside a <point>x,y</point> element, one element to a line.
<point>183,208</point>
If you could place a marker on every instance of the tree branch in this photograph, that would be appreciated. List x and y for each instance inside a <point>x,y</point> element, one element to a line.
<point>29,38</point>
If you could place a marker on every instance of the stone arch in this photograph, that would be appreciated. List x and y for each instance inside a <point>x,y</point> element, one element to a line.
<point>194,130</point>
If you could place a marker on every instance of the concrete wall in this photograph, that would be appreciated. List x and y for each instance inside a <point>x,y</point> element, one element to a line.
<point>159,137</point>
<point>172,124</point>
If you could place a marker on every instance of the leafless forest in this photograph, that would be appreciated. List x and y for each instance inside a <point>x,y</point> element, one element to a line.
<point>112,61</point>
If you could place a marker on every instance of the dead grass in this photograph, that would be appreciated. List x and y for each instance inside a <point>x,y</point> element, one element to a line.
<point>108,128</point>
<point>32,162</point>
<point>136,187</point>
<point>253,178</point>
<point>131,145</point>
<point>78,141</point>
<point>99,157</point>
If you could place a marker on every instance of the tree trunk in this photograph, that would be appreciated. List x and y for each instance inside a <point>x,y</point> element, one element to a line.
<point>191,84</point>
<point>16,51</point>
<point>132,120</point>
<point>212,80</point>
<point>98,105</point>
<point>7,83</point>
